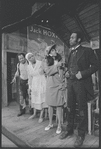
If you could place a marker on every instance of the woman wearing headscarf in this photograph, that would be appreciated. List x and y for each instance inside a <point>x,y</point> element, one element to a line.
<point>55,86</point>
<point>37,83</point>
<point>29,72</point>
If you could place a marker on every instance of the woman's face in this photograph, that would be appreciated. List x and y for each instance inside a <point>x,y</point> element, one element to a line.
<point>38,56</point>
<point>31,58</point>
<point>53,52</point>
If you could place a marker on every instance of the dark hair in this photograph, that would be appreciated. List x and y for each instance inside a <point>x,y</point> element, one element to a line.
<point>21,54</point>
<point>79,35</point>
<point>58,57</point>
<point>50,60</point>
<point>53,47</point>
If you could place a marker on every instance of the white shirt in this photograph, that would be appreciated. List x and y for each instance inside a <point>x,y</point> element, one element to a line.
<point>23,71</point>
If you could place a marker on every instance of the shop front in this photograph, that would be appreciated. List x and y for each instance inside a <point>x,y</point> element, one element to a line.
<point>38,38</point>
<point>12,44</point>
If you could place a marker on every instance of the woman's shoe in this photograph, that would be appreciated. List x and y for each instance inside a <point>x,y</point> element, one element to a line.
<point>49,127</point>
<point>40,120</point>
<point>58,131</point>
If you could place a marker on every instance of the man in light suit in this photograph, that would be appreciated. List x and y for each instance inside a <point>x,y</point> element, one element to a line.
<point>81,64</point>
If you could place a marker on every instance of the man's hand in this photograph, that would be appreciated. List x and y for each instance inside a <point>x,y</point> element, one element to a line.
<point>14,80</point>
<point>78,75</point>
<point>29,91</point>
<point>67,74</point>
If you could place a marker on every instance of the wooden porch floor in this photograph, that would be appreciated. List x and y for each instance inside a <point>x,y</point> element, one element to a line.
<point>33,133</point>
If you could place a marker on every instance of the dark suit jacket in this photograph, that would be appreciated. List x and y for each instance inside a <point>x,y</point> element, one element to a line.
<point>88,64</point>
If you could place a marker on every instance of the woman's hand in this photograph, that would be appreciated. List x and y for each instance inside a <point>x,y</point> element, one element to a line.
<point>59,64</point>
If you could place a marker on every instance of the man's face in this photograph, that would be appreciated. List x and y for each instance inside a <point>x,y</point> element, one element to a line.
<point>21,59</point>
<point>53,52</point>
<point>73,39</point>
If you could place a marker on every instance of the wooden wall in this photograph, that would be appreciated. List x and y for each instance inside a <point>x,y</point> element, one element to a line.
<point>90,19</point>
<point>88,16</point>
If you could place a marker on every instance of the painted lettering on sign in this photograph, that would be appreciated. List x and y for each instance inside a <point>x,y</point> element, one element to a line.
<point>42,31</point>
<point>40,37</point>
<point>34,30</point>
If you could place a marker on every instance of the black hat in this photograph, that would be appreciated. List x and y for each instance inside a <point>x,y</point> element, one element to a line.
<point>52,47</point>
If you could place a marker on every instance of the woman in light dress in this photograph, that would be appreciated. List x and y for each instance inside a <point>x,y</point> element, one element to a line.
<point>37,84</point>
<point>55,86</point>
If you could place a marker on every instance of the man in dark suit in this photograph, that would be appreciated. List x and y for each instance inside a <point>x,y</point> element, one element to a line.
<point>81,64</point>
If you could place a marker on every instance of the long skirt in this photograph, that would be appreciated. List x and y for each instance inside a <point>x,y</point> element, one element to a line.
<point>38,100</point>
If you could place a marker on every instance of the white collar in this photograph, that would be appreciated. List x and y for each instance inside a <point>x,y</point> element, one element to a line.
<point>50,54</point>
<point>75,47</point>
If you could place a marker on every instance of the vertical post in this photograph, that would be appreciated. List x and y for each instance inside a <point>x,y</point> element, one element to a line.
<point>89,118</point>
<point>4,73</point>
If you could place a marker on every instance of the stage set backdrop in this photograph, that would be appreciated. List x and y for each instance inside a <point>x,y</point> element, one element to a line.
<point>39,37</point>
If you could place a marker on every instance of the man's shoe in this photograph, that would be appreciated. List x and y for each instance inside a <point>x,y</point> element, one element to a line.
<point>65,134</point>
<point>79,141</point>
<point>20,114</point>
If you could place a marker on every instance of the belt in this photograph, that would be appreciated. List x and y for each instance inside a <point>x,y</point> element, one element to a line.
<point>23,79</point>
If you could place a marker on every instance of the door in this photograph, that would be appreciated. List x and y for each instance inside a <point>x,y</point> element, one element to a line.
<point>11,69</point>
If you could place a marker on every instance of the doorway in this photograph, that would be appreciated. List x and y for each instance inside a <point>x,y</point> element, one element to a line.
<point>11,69</point>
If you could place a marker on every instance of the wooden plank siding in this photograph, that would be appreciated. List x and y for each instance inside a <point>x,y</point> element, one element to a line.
<point>93,28</point>
<point>89,10</point>
<point>94,34</point>
<point>33,133</point>
<point>70,23</point>
<point>89,17</point>
<point>93,22</point>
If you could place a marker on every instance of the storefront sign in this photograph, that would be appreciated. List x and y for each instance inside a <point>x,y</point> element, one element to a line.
<point>42,31</point>
<point>40,37</point>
